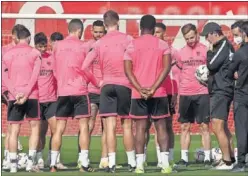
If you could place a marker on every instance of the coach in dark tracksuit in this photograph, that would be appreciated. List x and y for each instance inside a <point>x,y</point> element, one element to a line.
<point>240,64</point>
<point>220,88</point>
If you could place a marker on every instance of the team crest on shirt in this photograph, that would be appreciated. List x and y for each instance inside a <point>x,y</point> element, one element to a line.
<point>198,53</point>
<point>49,63</point>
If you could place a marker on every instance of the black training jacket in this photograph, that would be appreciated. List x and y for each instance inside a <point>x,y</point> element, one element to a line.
<point>240,64</point>
<point>218,63</point>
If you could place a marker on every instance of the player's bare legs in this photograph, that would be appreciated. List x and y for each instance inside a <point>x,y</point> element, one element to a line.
<point>169,128</point>
<point>206,142</point>
<point>6,161</point>
<point>111,140</point>
<point>147,138</point>
<point>57,141</point>
<point>185,141</point>
<point>231,142</point>
<point>104,156</point>
<point>163,141</point>
<point>141,128</point>
<point>42,143</point>
<point>219,131</point>
<point>128,140</point>
<point>13,137</point>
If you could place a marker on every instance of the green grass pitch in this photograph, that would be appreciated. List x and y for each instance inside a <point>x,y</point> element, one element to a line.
<point>69,157</point>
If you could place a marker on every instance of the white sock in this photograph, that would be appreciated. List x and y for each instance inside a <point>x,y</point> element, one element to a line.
<point>158,154</point>
<point>140,160</point>
<point>39,155</point>
<point>58,158</point>
<point>165,159</point>
<point>54,155</point>
<point>171,154</point>
<point>185,155</point>
<point>105,159</point>
<point>32,154</point>
<point>145,150</point>
<point>6,154</point>
<point>84,158</point>
<point>131,158</point>
<point>207,155</point>
<point>111,158</point>
<point>12,156</point>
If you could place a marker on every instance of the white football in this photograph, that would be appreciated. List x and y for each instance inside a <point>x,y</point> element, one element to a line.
<point>22,160</point>
<point>199,155</point>
<point>202,73</point>
<point>216,154</point>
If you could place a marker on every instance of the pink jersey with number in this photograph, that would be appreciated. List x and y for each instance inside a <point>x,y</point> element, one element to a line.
<point>69,55</point>
<point>110,51</point>
<point>146,54</point>
<point>95,69</point>
<point>22,67</point>
<point>4,50</point>
<point>190,59</point>
<point>46,81</point>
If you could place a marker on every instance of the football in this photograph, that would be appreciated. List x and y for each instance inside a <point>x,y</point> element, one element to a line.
<point>22,160</point>
<point>216,154</point>
<point>202,73</point>
<point>199,155</point>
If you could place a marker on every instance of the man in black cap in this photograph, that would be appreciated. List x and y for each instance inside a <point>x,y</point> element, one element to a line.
<point>240,64</point>
<point>220,88</point>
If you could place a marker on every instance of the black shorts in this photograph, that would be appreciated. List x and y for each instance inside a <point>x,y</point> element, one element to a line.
<point>94,98</point>
<point>72,106</point>
<point>220,106</point>
<point>194,108</point>
<point>30,109</point>
<point>5,98</point>
<point>115,100</point>
<point>47,110</point>
<point>154,108</point>
<point>171,107</point>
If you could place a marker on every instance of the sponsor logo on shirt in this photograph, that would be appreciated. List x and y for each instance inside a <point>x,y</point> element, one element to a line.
<point>193,62</point>
<point>46,72</point>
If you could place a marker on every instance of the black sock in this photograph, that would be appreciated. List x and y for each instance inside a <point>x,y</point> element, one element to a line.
<point>228,163</point>
<point>233,159</point>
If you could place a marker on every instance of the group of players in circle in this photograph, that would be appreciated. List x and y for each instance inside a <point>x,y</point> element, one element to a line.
<point>138,80</point>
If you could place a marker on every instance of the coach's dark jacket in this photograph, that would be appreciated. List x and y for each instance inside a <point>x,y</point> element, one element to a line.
<point>218,62</point>
<point>240,64</point>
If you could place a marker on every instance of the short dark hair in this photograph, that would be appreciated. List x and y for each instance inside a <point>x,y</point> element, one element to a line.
<point>98,23</point>
<point>75,24</point>
<point>23,33</point>
<point>188,27</point>
<point>56,36</point>
<point>148,22</point>
<point>237,24</point>
<point>244,27</point>
<point>219,32</point>
<point>161,25</point>
<point>110,18</point>
<point>16,28</point>
<point>40,38</point>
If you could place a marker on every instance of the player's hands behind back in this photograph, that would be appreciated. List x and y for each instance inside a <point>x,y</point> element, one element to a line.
<point>20,99</point>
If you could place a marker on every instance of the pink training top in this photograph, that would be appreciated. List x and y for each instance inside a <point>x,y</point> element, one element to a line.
<point>146,54</point>
<point>69,55</point>
<point>95,69</point>
<point>4,50</point>
<point>46,82</point>
<point>110,51</point>
<point>190,59</point>
<point>22,67</point>
<point>171,80</point>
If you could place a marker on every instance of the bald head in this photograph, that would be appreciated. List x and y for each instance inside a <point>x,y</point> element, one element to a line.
<point>75,25</point>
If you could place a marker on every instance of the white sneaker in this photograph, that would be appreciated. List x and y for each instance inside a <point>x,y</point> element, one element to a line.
<point>40,163</point>
<point>29,165</point>
<point>223,166</point>
<point>20,147</point>
<point>6,164</point>
<point>13,167</point>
